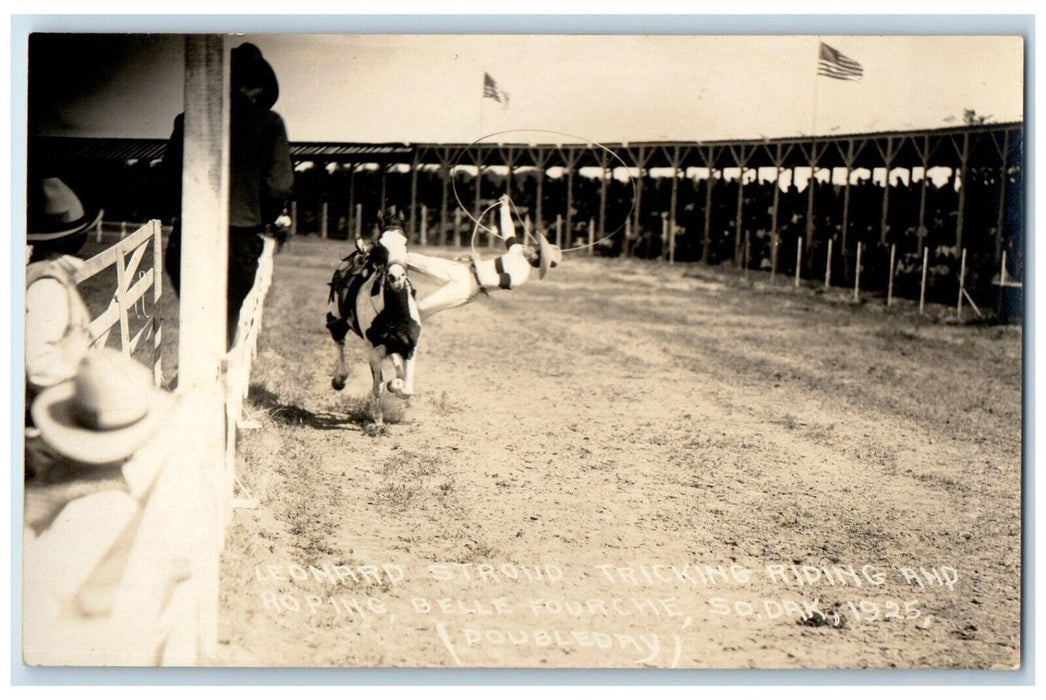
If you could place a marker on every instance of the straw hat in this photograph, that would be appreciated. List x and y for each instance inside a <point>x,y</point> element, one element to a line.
<point>55,212</point>
<point>549,255</point>
<point>104,413</point>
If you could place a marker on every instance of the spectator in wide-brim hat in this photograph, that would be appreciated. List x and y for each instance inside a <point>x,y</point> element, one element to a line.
<point>56,318</point>
<point>104,413</point>
<point>89,427</point>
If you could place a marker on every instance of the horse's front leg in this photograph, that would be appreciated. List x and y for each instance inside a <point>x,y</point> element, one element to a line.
<point>408,376</point>
<point>377,355</point>
<point>338,329</point>
<point>341,372</point>
<point>403,384</point>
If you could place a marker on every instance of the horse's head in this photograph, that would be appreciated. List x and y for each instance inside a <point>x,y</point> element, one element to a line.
<point>394,242</point>
<point>390,254</point>
<point>396,276</point>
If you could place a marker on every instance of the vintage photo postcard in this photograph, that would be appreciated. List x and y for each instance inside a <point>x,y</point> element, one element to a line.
<point>524,351</point>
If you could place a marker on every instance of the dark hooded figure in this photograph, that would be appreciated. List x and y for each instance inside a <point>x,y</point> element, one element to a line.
<point>261,176</point>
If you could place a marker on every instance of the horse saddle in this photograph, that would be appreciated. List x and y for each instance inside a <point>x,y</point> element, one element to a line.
<point>346,284</point>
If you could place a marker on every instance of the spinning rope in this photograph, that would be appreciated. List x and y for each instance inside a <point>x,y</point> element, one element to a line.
<point>528,234</point>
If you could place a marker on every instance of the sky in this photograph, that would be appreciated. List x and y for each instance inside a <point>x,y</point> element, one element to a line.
<point>428,88</point>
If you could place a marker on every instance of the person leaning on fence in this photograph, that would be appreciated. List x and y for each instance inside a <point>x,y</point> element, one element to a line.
<point>56,318</point>
<point>261,176</point>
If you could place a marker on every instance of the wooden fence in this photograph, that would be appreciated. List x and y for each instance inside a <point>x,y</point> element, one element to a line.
<point>129,576</point>
<point>129,290</point>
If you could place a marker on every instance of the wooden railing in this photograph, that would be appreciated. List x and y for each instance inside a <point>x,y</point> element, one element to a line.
<point>129,291</point>
<point>129,576</point>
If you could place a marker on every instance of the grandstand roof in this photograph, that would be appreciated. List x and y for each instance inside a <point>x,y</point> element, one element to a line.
<point>984,143</point>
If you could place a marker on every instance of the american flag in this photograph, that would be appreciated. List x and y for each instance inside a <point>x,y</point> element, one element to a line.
<point>491,90</point>
<point>833,64</point>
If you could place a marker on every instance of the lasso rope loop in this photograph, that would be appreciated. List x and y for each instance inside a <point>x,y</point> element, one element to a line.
<point>528,235</point>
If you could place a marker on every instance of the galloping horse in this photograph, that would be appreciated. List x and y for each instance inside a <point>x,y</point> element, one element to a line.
<point>371,295</point>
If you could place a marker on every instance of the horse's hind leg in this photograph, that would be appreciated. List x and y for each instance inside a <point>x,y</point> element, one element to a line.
<point>377,355</point>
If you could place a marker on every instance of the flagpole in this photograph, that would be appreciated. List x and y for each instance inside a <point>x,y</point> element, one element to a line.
<point>813,121</point>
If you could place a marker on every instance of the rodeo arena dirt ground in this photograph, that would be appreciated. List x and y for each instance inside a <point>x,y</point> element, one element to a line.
<point>631,464</point>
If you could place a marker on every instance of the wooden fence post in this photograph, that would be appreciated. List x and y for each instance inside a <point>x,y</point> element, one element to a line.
<point>559,230</point>
<point>773,257</point>
<point>205,238</point>
<point>591,236</point>
<point>857,274</point>
<point>798,259</point>
<point>889,288</point>
<point>828,267</point>
<point>748,252</point>
<point>157,292</point>
<point>424,224</point>
<point>922,288</point>
<point>962,281</point>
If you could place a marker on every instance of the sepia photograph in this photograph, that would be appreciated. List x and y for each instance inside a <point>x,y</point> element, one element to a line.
<point>523,350</point>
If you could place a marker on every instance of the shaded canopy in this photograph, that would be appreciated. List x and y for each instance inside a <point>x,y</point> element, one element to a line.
<point>984,145</point>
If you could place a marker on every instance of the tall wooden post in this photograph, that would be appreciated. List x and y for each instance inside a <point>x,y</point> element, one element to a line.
<point>510,164</point>
<point>706,239</point>
<point>323,219</point>
<point>414,194</point>
<point>476,208</point>
<point>922,286</point>
<point>540,157</point>
<point>739,220</point>
<point>673,203</point>
<point>202,318</point>
<point>602,193</point>
<point>962,283</point>
<point>828,266</point>
<point>352,223</point>
<point>384,177</point>
<point>773,214</point>
<point>1000,223</point>
<point>893,262</point>
<point>641,159</point>
<point>741,158</point>
<point>849,158</point>
<point>813,156</point>
<point>798,258</point>
<point>888,154</point>
<point>846,214</point>
<point>924,155</point>
<point>444,177</point>
<point>570,163</point>
<point>964,156</point>
<point>857,274</point>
